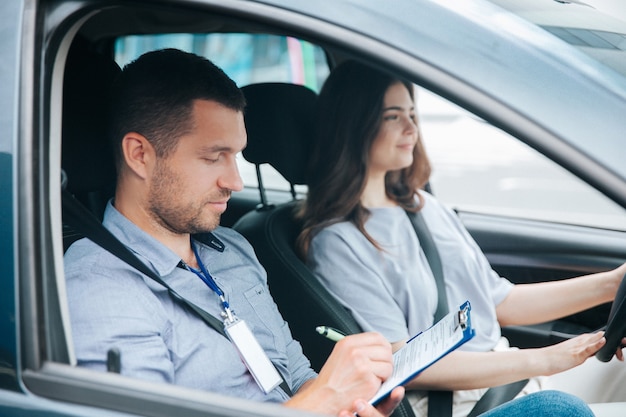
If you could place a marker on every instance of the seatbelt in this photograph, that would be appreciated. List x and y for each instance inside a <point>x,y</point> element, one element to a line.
<point>496,396</point>
<point>85,223</point>
<point>440,402</point>
<point>432,255</point>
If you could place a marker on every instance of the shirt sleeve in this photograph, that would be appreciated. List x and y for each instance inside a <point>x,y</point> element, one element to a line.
<point>350,268</point>
<point>299,364</point>
<point>496,286</point>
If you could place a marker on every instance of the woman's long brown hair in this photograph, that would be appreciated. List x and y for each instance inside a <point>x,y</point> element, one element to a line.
<point>348,117</point>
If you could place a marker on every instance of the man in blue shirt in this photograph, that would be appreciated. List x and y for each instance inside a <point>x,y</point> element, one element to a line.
<point>177,125</point>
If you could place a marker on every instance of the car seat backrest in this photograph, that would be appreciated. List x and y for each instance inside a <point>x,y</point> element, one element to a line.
<point>279,122</point>
<point>87,157</point>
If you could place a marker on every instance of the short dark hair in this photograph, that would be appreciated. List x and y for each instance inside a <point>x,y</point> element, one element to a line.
<point>154,97</point>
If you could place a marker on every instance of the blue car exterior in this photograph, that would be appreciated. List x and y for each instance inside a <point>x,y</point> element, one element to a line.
<point>512,73</point>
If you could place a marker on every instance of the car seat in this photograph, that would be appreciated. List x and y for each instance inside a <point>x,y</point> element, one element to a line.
<point>279,122</point>
<point>87,157</point>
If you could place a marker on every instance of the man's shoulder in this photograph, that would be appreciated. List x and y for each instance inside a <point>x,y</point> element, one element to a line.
<point>84,258</point>
<point>92,272</point>
<point>237,252</point>
<point>223,232</point>
<point>81,252</point>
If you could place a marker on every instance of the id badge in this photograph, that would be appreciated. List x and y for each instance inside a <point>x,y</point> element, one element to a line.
<point>253,355</point>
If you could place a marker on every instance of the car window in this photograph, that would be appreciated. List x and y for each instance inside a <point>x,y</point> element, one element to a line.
<point>247,59</point>
<point>476,166</point>
<point>480,168</point>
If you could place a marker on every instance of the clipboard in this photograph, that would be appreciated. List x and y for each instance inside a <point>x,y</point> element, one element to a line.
<point>427,347</point>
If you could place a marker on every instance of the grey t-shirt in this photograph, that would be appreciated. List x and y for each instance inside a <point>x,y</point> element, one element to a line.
<point>393,291</point>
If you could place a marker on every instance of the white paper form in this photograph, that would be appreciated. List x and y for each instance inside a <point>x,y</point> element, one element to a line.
<point>426,348</point>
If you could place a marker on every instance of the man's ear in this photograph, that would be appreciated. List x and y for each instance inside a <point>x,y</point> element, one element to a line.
<point>138,153</point>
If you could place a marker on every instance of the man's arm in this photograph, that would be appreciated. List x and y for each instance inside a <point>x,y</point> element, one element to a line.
<point>352,375</point>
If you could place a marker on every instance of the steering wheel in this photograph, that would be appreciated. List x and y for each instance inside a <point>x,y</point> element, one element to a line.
<point>616,326</point>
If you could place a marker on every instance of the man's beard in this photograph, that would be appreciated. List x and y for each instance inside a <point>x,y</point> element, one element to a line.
<point>173,212</point>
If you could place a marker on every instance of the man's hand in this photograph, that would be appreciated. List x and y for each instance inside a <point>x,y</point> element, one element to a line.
<point>354,370</point>
<point>384,409</point>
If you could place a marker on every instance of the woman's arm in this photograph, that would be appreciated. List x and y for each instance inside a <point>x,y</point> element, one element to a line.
<point>556,299</point>
<point>461,370</point>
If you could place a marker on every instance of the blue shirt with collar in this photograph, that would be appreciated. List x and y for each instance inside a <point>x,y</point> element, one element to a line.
<point>112,305</point>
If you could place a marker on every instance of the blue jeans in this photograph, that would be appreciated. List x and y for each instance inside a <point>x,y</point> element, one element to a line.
<point>542,404</point>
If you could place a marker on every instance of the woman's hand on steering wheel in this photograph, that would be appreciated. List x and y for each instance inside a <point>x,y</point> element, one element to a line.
<point>616,327</point>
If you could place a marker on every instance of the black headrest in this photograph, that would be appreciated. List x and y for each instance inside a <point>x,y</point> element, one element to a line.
<point>279,121</point>
<point>87,157</point>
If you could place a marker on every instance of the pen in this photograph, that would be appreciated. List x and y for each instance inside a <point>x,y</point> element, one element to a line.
<point>330,333</point>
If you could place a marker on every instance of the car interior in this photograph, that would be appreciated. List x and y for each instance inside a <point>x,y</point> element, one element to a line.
<point>279,124</point>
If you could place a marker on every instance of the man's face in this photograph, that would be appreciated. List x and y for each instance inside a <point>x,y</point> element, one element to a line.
<point>189,188</point>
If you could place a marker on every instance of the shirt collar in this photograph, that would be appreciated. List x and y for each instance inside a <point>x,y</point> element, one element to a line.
<point>210,240</point>
<point>146,247</point>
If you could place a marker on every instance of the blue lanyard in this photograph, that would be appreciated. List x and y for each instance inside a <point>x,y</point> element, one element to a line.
<point>204,275</point>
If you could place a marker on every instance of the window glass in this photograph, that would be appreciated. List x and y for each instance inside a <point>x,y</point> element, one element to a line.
<point>247,59</point>
<point>480,168</point>
<point>476,167</point>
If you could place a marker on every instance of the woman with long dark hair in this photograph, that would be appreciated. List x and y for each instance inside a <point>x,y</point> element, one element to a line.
<point>367,171</point>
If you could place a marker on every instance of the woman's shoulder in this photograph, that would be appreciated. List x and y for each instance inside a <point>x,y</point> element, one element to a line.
<point>441,218</point>
<point>334,229</point>
<point>427,197</point>
<point>432,204</point>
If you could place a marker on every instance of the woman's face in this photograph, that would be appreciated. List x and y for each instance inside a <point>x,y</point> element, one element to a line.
<point>393,146</point>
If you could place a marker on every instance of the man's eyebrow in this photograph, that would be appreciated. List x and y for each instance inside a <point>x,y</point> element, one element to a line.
<point>218,148</point>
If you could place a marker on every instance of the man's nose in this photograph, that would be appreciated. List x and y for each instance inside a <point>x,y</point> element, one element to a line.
<point>230,179</point>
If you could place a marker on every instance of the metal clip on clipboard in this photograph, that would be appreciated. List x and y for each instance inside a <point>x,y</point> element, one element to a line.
<point>461,318</point>
<point>427,347</point>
